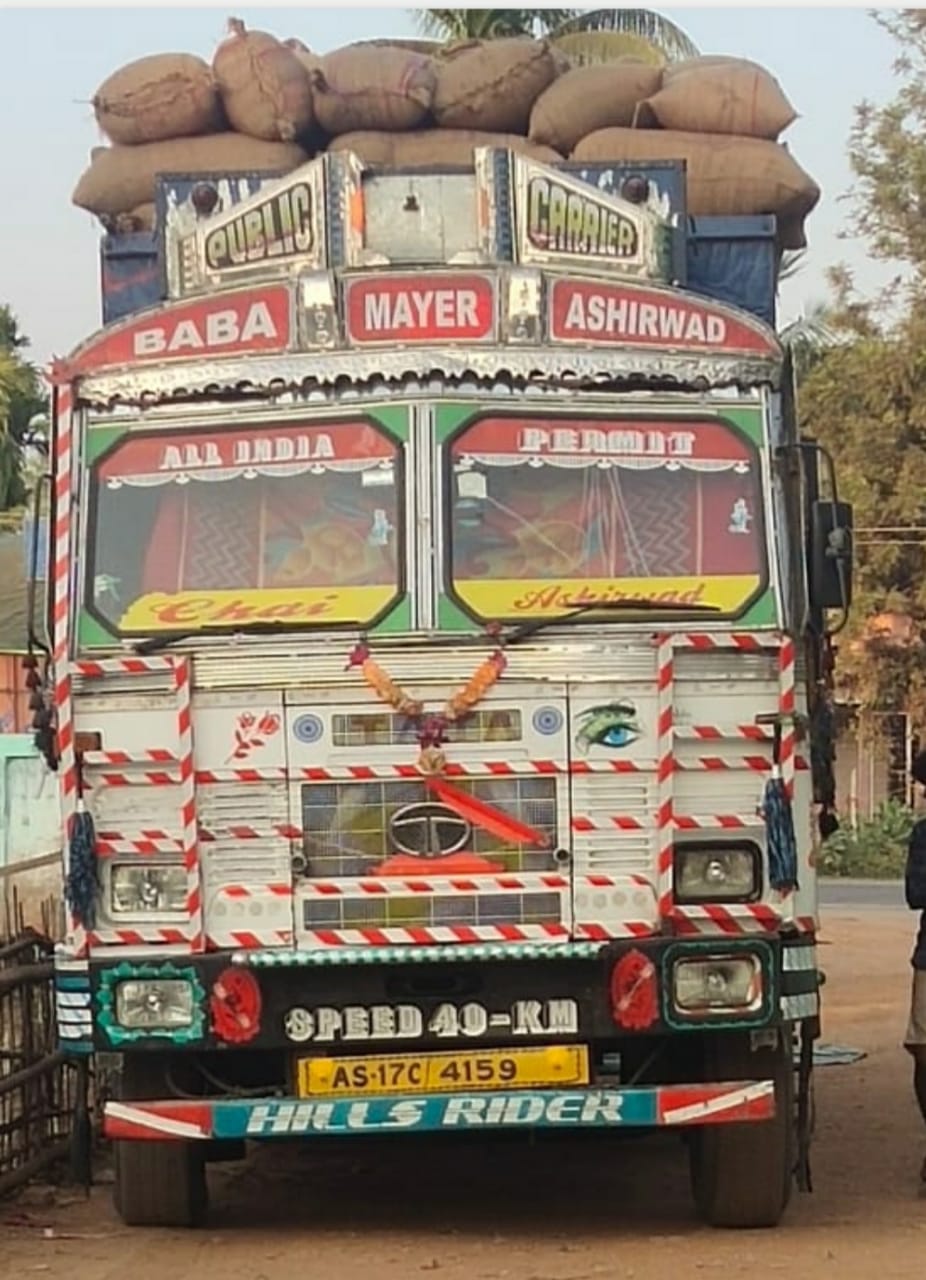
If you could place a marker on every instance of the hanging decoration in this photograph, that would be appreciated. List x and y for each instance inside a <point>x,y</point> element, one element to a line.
<point>82,885</point>
<point>780,835</point>
<point>431,729</point>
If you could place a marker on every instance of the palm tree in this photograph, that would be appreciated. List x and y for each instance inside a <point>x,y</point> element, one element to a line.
<point>602,35</point>
<point>792,261</point>
<point>585,36</point>
<point>809,337</point>
<point>485,24</point>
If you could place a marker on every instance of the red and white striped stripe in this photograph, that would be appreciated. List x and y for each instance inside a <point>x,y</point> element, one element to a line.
<point>582,823</point>
<point>716,821</point>
<point>138,846</point>
<point>155,755</point>
<point>275,889</point>
<point>194,903</point>
<point>162,778</point>
<point>432,934</point>
<point>786,710</point>
<point>241,831</point>
<point>175,936</point>
<point>94,669</point>
<point>61,596</point>
<point>391,887</point>
<point>387,772</point>
<point>665,736</point>
<point>744,641</point>
<point>734,919</point>
<point>716,732</point>
<point>247,939</point>
<point>614,929</point>
<point>184,1120</point>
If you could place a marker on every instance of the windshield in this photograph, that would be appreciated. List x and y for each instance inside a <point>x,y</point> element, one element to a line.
<point>546,513</point>
<point>221,527</point>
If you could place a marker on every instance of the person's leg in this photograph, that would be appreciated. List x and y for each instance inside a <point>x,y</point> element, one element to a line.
<point>919,1079</point>
<point>915,1043</point>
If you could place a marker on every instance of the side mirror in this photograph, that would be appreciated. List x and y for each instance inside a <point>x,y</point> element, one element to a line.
<point>831,555</point>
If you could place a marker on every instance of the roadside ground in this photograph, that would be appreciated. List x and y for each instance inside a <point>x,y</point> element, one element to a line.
<point>563,1210</point>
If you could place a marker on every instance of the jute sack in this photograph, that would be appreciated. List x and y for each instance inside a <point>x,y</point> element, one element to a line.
<point>434,147</point>
<point>734,96</point>
<point>310,61</point>
<point>429,47</point>
<point>143,218</point>
<point>367,87</point>
<point>492,85</point>
<point>167,95</point>
<point>264,87</point>
<point>121,178</point>
<point>725,175</point>
<point>590,98</point>
<point>672,70</point>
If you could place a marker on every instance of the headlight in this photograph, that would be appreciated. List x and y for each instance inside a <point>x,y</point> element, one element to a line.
<point>148,1003</point>
<point>717,984</point>
<point>140,889</point>
<point>721,874</point>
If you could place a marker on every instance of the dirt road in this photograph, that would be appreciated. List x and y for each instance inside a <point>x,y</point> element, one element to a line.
<point>564,1210</point>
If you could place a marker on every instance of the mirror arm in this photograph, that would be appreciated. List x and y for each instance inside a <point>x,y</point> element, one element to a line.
<point>34,640</point>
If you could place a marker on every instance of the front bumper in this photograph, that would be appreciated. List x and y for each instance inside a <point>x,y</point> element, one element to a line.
<point>659,1106</point>
<point>468,997</point>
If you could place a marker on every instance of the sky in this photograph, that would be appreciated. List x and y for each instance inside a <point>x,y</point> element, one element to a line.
<point>827,60</point>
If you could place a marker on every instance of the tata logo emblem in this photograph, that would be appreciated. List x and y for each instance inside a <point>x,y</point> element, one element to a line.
<point>562,220</point>
<point>281,226</point>
<point>428,830</point>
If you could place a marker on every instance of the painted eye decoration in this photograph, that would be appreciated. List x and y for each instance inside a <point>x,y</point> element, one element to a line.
<point>612,725</point>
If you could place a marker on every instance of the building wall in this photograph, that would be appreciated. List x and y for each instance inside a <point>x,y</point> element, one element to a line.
<point>30,837</point>
<point>14,696</point>
<point>863,776</point>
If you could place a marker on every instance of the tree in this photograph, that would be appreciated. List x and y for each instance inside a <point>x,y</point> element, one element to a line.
<point>863,393</point>
<point>598,35</point>
<point>887,152</point>
<point>864,398</point>
<point>483,24</point>
<point>809,337</point>
<point>601,35</point>
<point>21,398</point>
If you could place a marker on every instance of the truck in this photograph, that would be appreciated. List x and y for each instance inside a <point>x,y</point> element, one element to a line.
<point>438,674</point>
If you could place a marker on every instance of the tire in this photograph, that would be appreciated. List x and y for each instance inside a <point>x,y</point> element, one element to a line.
<point>742,1174</point>
<point>157,1184</point>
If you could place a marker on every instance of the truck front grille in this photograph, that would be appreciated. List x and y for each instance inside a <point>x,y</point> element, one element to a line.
<point>352,831</point>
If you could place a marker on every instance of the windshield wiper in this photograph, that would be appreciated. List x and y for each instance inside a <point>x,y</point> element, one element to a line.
<point>531,628</point>
<point>153,644</point>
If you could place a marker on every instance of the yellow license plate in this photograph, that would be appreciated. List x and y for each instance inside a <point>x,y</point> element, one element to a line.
<point>442,1072</point>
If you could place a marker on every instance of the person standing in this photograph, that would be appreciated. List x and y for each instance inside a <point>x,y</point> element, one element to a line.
<point>915,888</point>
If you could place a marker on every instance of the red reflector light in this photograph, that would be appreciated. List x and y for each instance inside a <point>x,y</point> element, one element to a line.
<point>634,992</point>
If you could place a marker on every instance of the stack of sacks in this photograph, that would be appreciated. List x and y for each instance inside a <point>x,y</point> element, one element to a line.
<point>267,105</point>
<point>172,113</point>
<point>723,117</point>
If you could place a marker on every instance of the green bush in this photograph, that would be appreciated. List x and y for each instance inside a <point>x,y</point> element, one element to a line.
<point>875,850</point>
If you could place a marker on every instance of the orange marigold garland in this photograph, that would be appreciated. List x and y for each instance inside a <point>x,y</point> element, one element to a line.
<point>383,684</point>
<point>431,729</point>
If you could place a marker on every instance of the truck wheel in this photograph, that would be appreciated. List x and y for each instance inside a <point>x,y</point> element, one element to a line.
<point>157,1184</point>
<point>741,1174</point>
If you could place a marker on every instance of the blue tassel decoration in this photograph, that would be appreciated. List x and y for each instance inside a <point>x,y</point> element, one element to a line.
<point>782,842</point>
<point>83,883</point>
